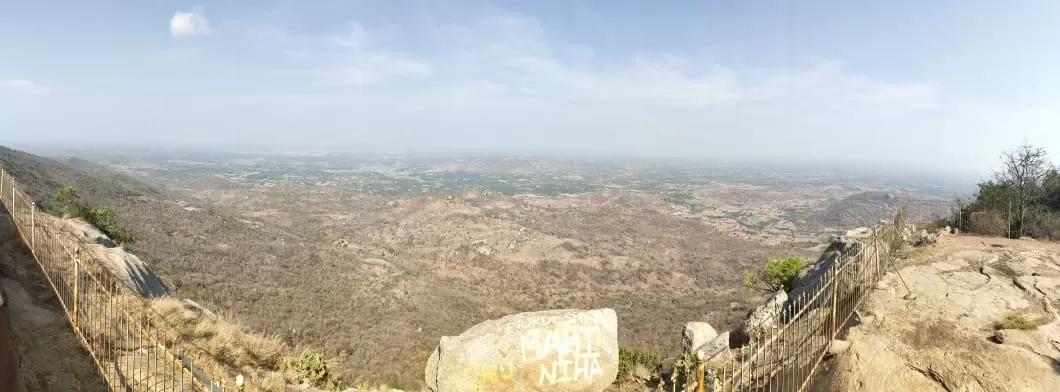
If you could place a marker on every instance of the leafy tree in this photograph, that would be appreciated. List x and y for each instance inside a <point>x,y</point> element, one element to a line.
<point>992,195</point>
<point>1051,190</point>
<point>1023,199</point>
<point>776,274</point>
<point>105,219</point>
<point>1025,168</point>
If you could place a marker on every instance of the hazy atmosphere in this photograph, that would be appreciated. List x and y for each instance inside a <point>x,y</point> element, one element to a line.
<point>819,80</point>
<point>529,196</point>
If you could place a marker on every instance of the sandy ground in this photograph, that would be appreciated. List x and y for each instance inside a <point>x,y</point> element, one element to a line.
<point>943,339</point>
<point>49,356</point>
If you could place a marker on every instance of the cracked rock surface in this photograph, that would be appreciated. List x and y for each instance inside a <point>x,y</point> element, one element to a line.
<point>945,340</point>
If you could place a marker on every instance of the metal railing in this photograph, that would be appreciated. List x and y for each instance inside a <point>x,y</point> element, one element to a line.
<point>129,346</point>
<point>786,357</point>
<point>930,210</point>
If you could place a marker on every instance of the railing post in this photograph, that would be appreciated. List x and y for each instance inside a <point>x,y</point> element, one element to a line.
<point>3,179</point>
<point>876,243</point>
<point>835,295</point>
<point>77,280</point>
<point>33,227</point>
<point>700,368</point>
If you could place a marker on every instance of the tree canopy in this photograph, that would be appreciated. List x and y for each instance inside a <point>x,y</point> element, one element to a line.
<point>1023,199</point>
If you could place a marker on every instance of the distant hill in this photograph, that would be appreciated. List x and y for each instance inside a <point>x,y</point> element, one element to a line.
<point>867,208</point>
<point>861,209</point>
<point>83,164</point>
<point>40,177</point>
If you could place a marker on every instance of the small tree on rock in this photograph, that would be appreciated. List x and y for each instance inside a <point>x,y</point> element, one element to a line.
<point>69,202</point>
<point>777,274</point>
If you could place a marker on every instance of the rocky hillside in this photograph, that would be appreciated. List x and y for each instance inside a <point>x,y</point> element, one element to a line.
<point>356,283</point>
<point>984,319</point>
<point>860,209</point>
<point>40,177</point>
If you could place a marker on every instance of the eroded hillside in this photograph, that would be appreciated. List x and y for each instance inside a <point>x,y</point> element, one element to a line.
<point>373,279</point>
<point>386,277</point>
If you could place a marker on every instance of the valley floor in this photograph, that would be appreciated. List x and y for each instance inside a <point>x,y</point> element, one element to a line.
<point>946,338</point>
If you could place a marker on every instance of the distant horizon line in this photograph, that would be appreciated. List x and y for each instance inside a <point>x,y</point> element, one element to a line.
<point>867,165</point>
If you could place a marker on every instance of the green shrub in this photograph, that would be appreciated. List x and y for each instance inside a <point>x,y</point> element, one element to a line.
<point>106,220</point>
<point>777,274</point>
<point>684,372</point>
<point>629,358</point>
<point>311,368</point>
<point>1019,321</point>
<point>69,204</point>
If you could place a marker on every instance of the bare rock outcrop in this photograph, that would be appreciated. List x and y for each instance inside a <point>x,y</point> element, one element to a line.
<point>717,348</point>
<point>696,334</point>
<point>129,269</point>
<point>548,351</point>
<point>763,318</point>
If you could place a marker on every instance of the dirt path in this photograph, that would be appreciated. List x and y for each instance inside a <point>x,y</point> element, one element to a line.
<point>943,340</point>
<point>49,356</point>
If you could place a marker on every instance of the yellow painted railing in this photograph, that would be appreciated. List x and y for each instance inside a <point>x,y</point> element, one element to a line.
<point>113,324</point>
<point>787,357</point>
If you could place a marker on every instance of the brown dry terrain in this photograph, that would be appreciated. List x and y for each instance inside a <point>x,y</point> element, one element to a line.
<point>944,340</point>
<point>373,279</point>
<point>387,277</point>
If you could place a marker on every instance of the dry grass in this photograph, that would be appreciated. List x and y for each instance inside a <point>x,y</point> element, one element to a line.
<point>120,325</point>
<point>1017,320</point>
<point>222,345</point>
<point>988,223</point>
<point>931,334</point>
<point>412,271</point>
<point>372,282</point>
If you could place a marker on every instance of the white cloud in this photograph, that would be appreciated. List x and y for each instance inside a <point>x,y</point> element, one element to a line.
<point>518,52</point>
<point>349,57</point>
<point>25,86</point>
<point>369,69</point>
<point>353,37</point>
<point>189,23</point>
<point>508,83</point>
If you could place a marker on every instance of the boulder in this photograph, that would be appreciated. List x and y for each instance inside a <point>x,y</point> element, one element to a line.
<point>943,231</point>
<point>922,238</point>
<point>765,317</point>
<point>999,336</point>
<point>309,388</point>
<point>133,272</point>
<point>907,234</point>
<point>696,334</point>
<point>666,366</point>
<point>547,351</point>
<point>716,346</point>
<point>838,346</point>
<point>88,233</point>
<point>811,277</point>
<point>860,232</point>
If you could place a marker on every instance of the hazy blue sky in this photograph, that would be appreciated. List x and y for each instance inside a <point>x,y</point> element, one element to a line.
<point>948,83</point>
